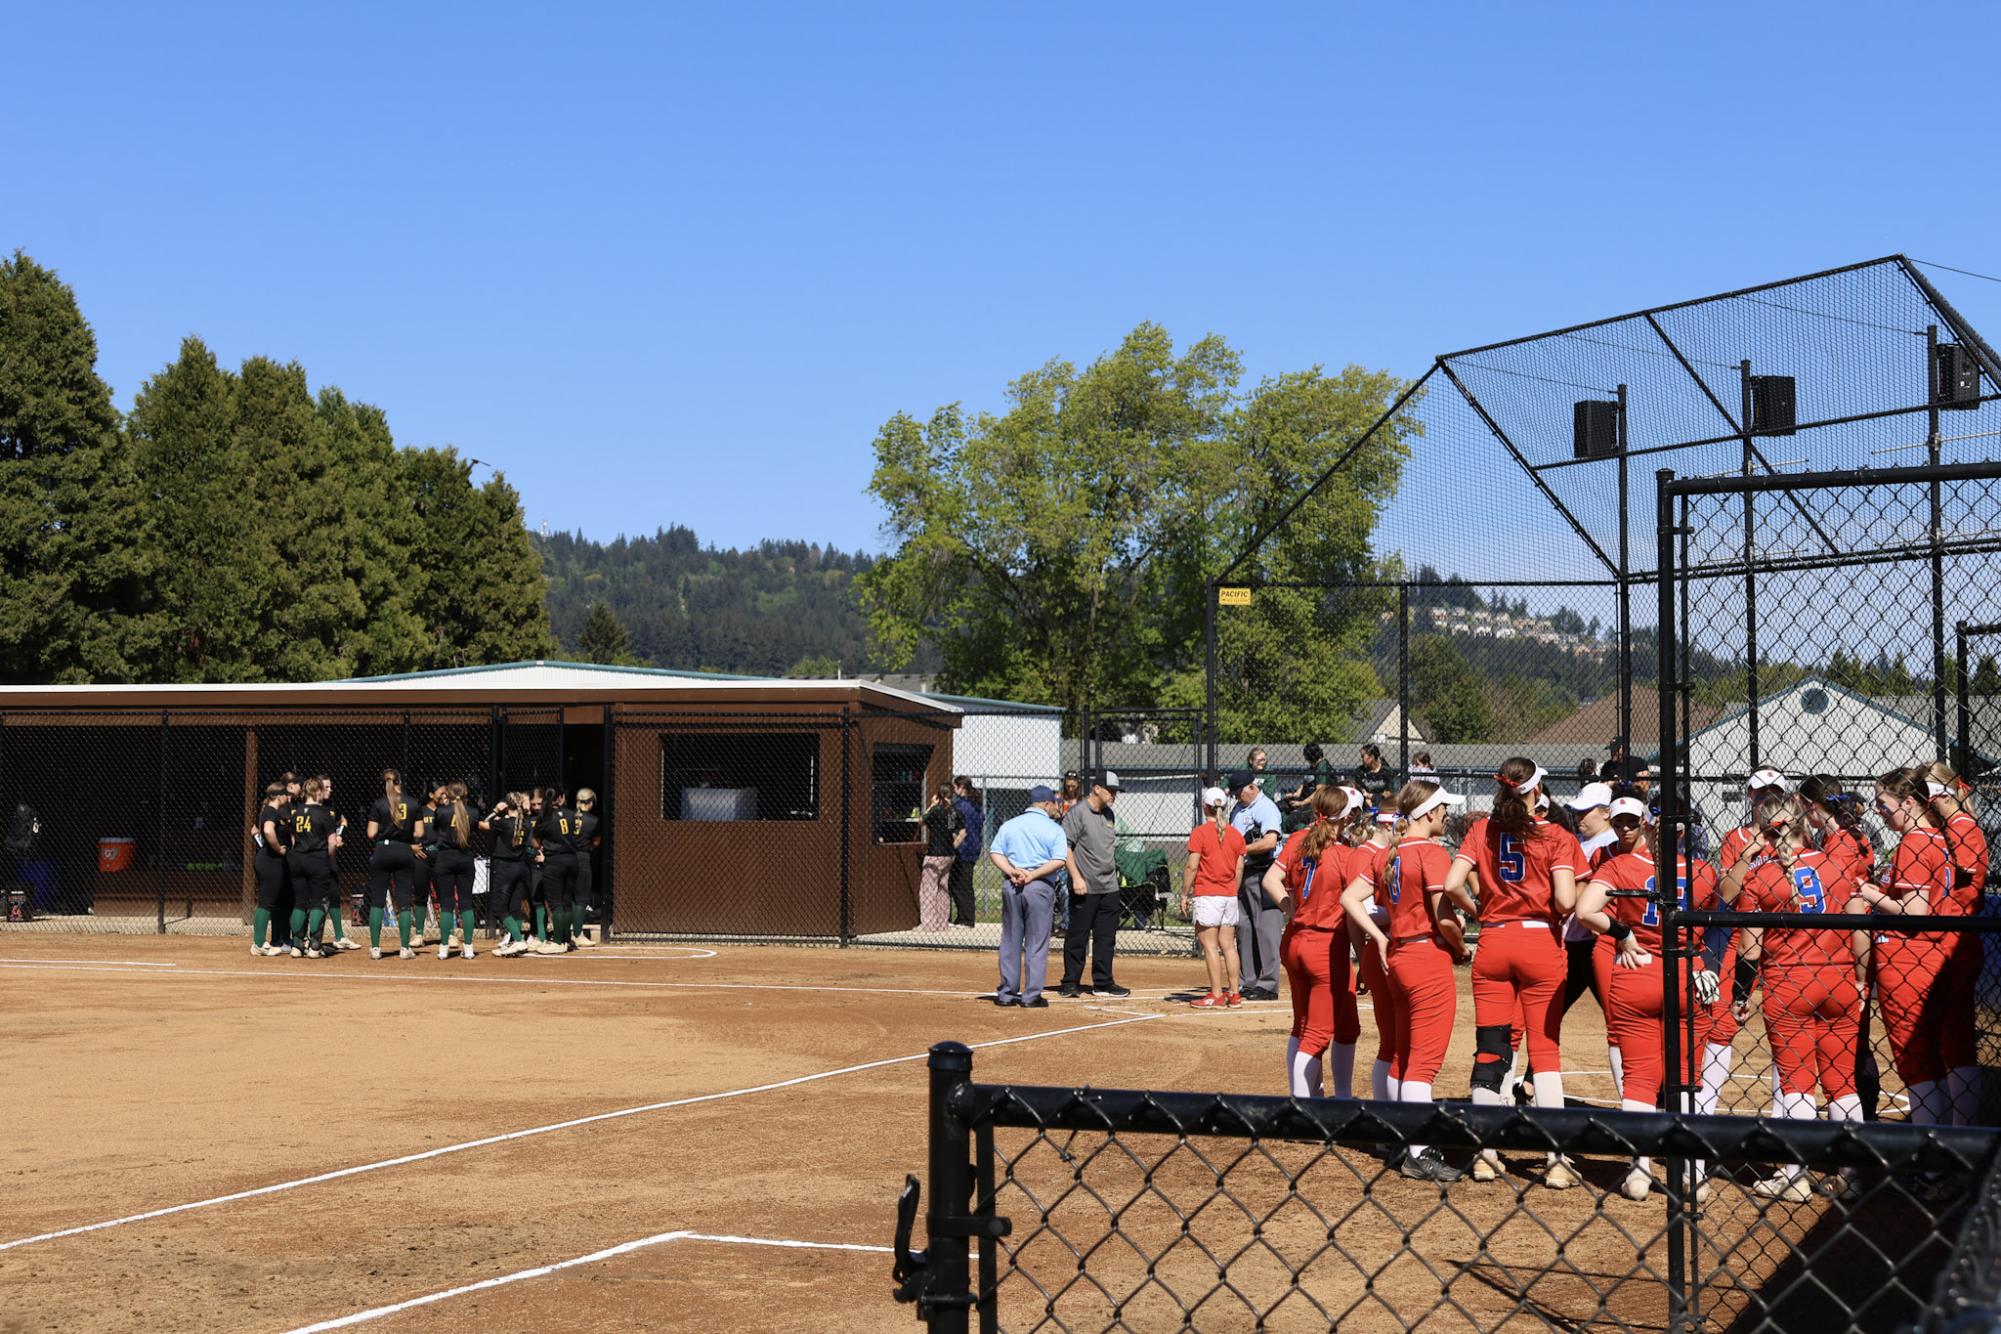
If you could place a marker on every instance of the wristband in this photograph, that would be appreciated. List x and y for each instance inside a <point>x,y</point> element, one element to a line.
<point>1619,931</point>
<point>1747,976</point>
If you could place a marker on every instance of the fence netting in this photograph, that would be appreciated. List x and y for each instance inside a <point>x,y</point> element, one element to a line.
<point>1098,1209</point>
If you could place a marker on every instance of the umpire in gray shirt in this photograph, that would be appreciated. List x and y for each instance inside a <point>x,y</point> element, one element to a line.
<point>1259,924</point>
<point>1094,889</point>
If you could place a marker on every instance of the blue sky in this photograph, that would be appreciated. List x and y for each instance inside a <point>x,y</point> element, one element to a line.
<point>676,264</point>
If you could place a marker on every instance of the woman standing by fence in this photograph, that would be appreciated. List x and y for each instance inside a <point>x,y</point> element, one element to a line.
<point>942,835</point>
<point>1209,898</point>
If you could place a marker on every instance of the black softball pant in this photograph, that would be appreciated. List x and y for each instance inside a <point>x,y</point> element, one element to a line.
<point>508,888</point>
<point>451,878</point>
<point>392,871</point>
<point>270,880</point>
<point>311,877</point>
<point>559,882</point>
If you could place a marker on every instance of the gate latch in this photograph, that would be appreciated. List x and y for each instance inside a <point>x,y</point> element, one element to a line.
<point>912,1269</point>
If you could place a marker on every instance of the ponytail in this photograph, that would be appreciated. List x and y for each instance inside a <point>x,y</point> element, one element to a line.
<point>392,795</point>
<point>1512,812</point>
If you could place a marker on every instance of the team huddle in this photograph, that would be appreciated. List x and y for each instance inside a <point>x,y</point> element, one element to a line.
<point>420,855</point>
<point>1375,901</point>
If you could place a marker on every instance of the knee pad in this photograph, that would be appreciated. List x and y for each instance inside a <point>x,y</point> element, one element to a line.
<point>1493,1052</point>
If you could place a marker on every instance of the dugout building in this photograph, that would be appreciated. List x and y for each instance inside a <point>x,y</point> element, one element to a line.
<point>732,805</point>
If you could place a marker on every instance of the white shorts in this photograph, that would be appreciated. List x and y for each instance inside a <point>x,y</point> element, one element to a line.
<point>1216,910</point>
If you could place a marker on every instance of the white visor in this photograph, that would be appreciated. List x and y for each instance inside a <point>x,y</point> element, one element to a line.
<point>1434,801</point>
<point>1937,789</point>
<point>1534,780</point>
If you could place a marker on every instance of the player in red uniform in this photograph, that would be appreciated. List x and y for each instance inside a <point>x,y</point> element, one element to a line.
<point>1909,968</point>
<point>1375,835</point>
<point>1720,1053</point>
<point>1623,905</point>
<point>1967,844</point>
<point>1813,999</point>
<point>1413,937</point>
<point>1305,882</point>
<point>1528,884</point>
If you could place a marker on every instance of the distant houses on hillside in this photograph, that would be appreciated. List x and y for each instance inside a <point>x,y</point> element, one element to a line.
<point>1481,623</point>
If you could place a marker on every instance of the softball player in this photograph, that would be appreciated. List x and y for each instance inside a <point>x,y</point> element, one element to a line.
<point>1372,851</point>
<point>1305,882</point>
<point>1909,969</point>
<point>1621,905</point>
<point>1415,944</point>
<point>452,870</point>
<point>559,825</point>
<point>272,837</point>
<point>1209,898</point>
<point>315,839</point>
<point>508,823</point>
<point>395,830</point>
<point>1719,1055</point>
<point>1528,884</point>
<point>584,839</point>
<point>1967,843</point>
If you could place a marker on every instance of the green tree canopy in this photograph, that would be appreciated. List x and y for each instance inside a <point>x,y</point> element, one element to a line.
<point>1057,551</point>
<point>603,639</point>
<point>1446,696</point>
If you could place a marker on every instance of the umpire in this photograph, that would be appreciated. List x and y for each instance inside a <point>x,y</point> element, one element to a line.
<point>1259,923</point>
<point>1092,832</point>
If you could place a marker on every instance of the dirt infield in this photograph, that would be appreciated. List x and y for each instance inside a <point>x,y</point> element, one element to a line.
<point>746,1097</point>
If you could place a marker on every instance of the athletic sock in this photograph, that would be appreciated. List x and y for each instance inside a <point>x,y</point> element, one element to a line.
<point>1963,1094</point>
<point>1379,1082</point>
<point>1924,1098</point>
<point>576,922</point>
<point>1618,1066</point>
<point>1716,1062</point>
<point>1847,1107</point>
<point>1396,1089</point>
<point>375,928</point>
<point>319,919</point>
<point>260,927</point>
<point>1341,1066</point>
<point>1415,1092</point>
<point>403,928</point>
<point>1549,1088</point>
<point>512,927</point>
<point>465,929</point>
<point>299,927</point>
<point>541,922</point>
<point>1305,1075</point>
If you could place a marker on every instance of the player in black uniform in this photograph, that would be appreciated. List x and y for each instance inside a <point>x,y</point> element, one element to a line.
<point>508,870</point>
<point>272,835</point>
<point>452,869</point>
<point>315,839</point>
<point>583,839</point>
<point>538,904</point>
<point>426,850</point>
<point>336,900</point>
<point>394,828</point>
<point>281,913</point>
<point>555,830</point>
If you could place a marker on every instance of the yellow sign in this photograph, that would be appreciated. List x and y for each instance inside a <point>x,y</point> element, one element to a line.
<point>1233,597</point>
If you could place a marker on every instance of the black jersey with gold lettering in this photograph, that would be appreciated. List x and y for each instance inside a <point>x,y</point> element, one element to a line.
<point>312,825</point>
<point>397,824</point>
<point>510,837</point>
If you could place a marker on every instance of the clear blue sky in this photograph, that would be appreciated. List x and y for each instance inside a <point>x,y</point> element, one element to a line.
<point>676,264</point>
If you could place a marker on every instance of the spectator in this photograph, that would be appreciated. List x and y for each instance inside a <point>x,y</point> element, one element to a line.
<point>1615,760</point>
<point>1371,776</point>
<point>1421,766</point>
<point>1092,832</point>
<point>1259,923</point>
<point>1028,851</point>
<point>1318,774</point>
<point>1209,898</point>
<point>1257,760</point>
<point>972,827</point>
<point>944,831</point>
<point>1072,793</point>
<point>1587,772</point>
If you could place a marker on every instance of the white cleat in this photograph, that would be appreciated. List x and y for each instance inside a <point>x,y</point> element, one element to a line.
<point>406,953</point>
<point>466,951</point>
<point>444,951</point>
<point>584,942</point>
<point>298,953</point>
<point>344,944</point>
<point>1781,1186</point>
<point>1561,1175</point>
<point>1636,1185</point>
<point>374,952</point>
<point>552,947</point>
<point>1487,1166</point>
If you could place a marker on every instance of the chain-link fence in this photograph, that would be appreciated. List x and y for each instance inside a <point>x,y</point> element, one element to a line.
<point>1092,1209</point>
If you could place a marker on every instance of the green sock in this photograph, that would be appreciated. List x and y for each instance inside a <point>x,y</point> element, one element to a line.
<point>260,927</point>
<point>511,926</point>
<point>375,928</point>
<point>541,922</point>
<point>465,929</point>
<point>403,928</point>
<point>577,924</point>
<point>313,928</point>
<point>298,928</point>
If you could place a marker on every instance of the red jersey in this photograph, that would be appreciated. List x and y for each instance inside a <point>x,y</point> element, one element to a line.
<point>1219,850</point>
<point>1634,871</point>
<point>1968,845</point>
<point>1808,889</point>
<point>1315,883</point>
<point>1407,890</point>
<point>1923,866</point>
<point>1849,859</point>
<point>1515,872</point>
<point>1734,844</point>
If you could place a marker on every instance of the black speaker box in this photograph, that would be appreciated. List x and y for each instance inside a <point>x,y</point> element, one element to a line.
<point>1958,377</point>
<point>1772,405</point>
<point>1595,429</point>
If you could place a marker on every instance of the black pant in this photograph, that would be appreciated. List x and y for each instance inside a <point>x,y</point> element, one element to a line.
<point>270,880</point>
<point>584,881</point>
<point>1094,920</point>
<point>507,892</point>
<point>960,886</point>
<point>451,875</point>
<point>559,882</point>
<point>1580,977</point>
<point>310,876</point>
<point>393,870</point>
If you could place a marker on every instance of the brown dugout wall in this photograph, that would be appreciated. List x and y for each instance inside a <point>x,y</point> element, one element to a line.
<point>143,797</point>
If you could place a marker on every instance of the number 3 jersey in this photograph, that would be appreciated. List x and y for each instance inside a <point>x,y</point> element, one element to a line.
<point>1769,887</point>
<point>1515,872</point>
<point>1632,878</point>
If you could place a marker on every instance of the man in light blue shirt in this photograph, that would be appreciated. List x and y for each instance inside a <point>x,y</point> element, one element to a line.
<point>1028,850</point>
<point>1259,923</point>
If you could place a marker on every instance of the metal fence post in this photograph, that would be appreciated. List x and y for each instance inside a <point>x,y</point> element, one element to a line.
<point>951,1190</point>
<point>1961,760</point>
<point>1673,966</point>
<point>1937,536</point>
<point>160,885</point>
<point>1750,577</point>
<point>1626,589</point>
<point>1209,671</point>
<point>847,922</point>
<point>1403,678</point>
<point>607,782</point>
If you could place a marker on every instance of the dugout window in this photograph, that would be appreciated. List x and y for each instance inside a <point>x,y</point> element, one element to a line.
<point>897,777</point>
<point>717,776</point>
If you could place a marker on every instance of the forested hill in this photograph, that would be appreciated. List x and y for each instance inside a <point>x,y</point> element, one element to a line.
<point>768,610</point>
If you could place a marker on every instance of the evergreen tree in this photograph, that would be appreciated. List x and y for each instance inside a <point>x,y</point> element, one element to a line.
<point>74,563</point>
<point>604,639</point>
<point>376,538</point>
<point>219,568</point>
<point>478,575</point>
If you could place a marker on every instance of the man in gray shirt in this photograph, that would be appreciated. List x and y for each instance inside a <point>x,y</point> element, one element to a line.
<point>1094,889</point>
<point>1260,923</point>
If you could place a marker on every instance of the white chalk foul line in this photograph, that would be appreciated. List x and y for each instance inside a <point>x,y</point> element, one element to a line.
<point>490,1140</point>
<point>610,1252</point>
<point>100,963</point>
